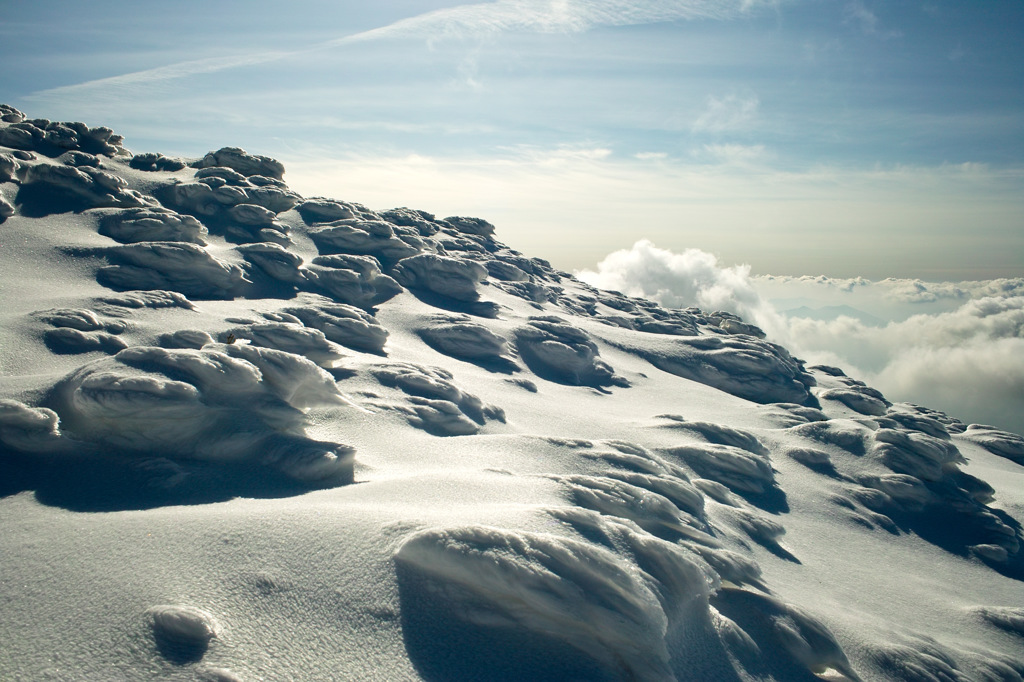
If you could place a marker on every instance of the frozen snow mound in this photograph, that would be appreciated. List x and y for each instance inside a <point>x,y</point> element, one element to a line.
<point>365,238</point>
<point>82,331</point>
<point>449,277</point>
<point>435,403</point>
<point>152,225</point>
<point>51,138</point>
<point>29,429</point>
<point>182,633</point>
<point>996,441</point>
<point>242,208</point>
<point>220,404</point>
<point>558,351</point>
<point>83,187</point>
<point>460,337</point>
<point>243,162</point>
<point>531,596</point>
<point>741,365</point>
<point>343,324</point>
<point>290,336</point>
<point>151,161</point>
<point>353,280</point>
<point>175,266</point>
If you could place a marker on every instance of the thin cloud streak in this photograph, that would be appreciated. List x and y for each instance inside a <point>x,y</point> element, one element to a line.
<point>542,16</point>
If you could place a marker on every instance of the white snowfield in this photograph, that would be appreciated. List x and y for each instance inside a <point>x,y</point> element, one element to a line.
<point>246,435</point>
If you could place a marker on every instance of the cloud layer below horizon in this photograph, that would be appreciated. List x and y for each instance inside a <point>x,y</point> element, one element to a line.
<point>954,346</point>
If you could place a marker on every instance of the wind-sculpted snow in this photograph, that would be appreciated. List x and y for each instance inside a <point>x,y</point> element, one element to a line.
<point>365,238</point>
<point>558,351</point>
<point>135,300</point>
<point>646,501</point>
<point>275,261</point>
<point>506,272</point>
<point>448,277</point>
<point>224,403</point>
<point>1005,618</point>
<point>152,225</point>
<point>609,615</point>
<point>51,138</point>
<point>82,331</point>
<point>152,161</point>
<point>245,163</point>
<point>8,167</point>
<point>244,209</point>
<point>508,524</point>
<point>716,433</point>
<point>424,223</point>
<point>436,404</point>
<point>836,386</point>
<point>83,187</point>
<point>176,266</point>
<point>353,280</point>
<point>185,338</point>
<point>733,324</point>
<point>858,401</point>
<point>290,338</point>
<point>739,469</point>
<point>474,226</point>
<point>915,454</point>
<point>781,627</point>
<point>315,211</point>
<point>1002,443</point>
<point>29,429</point>
<point>182,633</point>
<point>343,324</point>
<point>460,337</point>
<point>741,365</point>
<point>915,476</point>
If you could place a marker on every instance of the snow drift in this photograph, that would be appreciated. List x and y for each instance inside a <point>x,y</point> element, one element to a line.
<point>334,442</point>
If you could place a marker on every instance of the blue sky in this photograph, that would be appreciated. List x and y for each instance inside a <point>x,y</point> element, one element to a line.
<point>861,137</point>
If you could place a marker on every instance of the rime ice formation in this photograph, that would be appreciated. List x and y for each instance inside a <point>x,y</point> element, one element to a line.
<point>333,442</point>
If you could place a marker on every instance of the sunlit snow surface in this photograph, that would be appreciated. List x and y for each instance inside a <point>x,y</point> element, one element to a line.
<point>249,435</point>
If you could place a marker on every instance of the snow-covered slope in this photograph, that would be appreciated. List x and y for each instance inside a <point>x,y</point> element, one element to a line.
<point>250,435</point>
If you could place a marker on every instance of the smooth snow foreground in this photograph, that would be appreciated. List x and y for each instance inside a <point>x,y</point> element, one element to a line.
<point>252,436</point>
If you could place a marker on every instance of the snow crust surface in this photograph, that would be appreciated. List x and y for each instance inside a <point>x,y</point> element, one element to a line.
<point>246,435</point>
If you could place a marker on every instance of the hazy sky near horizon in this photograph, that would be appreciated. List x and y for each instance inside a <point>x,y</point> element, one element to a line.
<point>843,137</point>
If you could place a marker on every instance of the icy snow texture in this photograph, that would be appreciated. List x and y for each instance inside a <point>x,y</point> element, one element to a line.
<point>740,365</point>
<point>438,406</point>
<point>558,351</point>
<point>225,403</point>
<point>175,266</point>
<point>449,277</point>
<point>152,225</point>
<point>363,237</point>
<point>461,338</point>
<point>589,534</point>
<point>344,324</point>
<point>182,633</point>
<point>566,590</point>
<point>1002,443</point>
<point>91,187</point>
<point>245,163</point>
<point>353,280</point>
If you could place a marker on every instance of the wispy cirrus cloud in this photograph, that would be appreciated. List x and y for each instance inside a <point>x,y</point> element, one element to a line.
<point>856,13</point>
<point>729,113</point>
<point>464,21</point>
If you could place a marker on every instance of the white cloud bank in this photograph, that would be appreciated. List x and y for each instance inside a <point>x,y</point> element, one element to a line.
<point>958,347</point>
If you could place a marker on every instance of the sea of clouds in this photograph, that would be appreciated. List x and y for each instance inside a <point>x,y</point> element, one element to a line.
<point>954,346</point>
